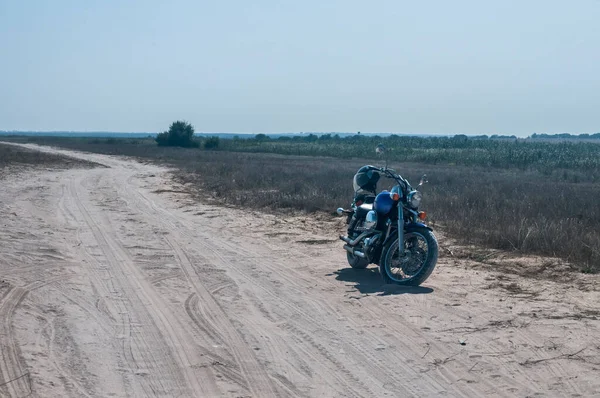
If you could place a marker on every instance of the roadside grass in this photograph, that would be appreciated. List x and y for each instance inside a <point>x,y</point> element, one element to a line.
<point>12,157</point>
<point>554,213</point>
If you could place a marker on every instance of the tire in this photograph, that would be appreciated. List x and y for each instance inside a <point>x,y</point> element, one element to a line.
<point>357,262</point>
<point>390,254</point>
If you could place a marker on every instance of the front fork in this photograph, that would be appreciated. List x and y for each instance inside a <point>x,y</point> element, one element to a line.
<point>400,231</point>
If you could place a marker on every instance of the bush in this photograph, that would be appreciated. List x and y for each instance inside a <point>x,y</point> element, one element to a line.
<point>180,134</point>
<point>211,143</point>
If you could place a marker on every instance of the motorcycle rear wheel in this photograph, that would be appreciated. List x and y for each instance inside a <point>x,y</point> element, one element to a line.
<point>357,262</point>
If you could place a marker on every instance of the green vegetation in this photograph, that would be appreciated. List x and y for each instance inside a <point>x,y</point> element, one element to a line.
<point>566,136</point>
<point>180,133</point>
<point>211,143</point>
<point>503,153</point>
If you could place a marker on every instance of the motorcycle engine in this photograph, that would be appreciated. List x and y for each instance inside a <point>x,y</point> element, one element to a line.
<point>368,245</point>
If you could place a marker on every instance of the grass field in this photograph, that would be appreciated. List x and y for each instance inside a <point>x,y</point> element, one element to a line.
<point>532,207</point>
<point>569,160</point>
<point>12,158</point>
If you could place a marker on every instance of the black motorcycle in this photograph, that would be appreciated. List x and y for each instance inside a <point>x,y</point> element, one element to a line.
<point>380,224</point>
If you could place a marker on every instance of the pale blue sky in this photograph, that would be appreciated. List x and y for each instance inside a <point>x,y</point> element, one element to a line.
<point>474,67</point>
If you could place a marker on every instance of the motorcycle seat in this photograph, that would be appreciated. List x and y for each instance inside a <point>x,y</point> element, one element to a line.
<point>366,207</point>
<point>363,209</point>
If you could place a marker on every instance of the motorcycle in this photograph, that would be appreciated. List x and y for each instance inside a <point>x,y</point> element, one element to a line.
<point>388,229</point>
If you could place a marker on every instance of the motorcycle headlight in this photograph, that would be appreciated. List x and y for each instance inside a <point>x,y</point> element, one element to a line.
<point>414,199</point>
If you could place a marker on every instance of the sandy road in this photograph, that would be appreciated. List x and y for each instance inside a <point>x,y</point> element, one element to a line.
<point>108,288</point>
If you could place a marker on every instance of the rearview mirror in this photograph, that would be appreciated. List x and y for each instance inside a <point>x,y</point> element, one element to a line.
<point>380,151</point>
<point>423,180</point>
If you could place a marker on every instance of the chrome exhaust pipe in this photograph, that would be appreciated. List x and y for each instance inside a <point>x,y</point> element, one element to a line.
<point>355,241</point>
<point>355,252</point>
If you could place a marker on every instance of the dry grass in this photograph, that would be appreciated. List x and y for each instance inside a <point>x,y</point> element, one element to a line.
<point>16,158</point>
<point>522,211</point>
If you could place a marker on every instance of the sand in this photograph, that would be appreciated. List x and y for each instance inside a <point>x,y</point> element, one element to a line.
<point>114,284</point>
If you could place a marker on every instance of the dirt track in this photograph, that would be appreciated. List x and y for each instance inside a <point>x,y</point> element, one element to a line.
<point>108,288</point>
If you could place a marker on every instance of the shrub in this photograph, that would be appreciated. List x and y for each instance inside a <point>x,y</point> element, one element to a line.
<point>180,133</point>
<point>211,143</point>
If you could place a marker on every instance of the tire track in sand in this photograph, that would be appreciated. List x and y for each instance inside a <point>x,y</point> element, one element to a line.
<point>323,360</point>
<point>259,382</point>
<point>132,293</point>
<point>211,313</point>
<point>11,365</point>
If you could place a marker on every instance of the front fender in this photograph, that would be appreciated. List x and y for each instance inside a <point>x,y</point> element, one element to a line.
<point>409,227</point>
<point>413,225</point>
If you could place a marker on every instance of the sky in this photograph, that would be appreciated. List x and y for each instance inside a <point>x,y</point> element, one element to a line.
<point>257,66</point>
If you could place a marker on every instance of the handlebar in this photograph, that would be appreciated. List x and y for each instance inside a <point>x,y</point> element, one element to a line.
<point>391,173</point>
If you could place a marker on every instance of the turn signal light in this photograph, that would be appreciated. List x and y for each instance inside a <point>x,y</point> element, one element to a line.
<point>394,196</point>
<point>422,215</point>
<point>359,202</point>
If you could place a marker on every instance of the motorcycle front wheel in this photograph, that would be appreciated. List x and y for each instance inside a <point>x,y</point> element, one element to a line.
<point>417,261</point>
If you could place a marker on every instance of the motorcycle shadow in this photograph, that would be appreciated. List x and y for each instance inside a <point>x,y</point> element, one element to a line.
<point>368,281</point>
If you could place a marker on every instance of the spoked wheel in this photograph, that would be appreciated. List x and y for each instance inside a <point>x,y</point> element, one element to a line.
<point>415,264</point>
